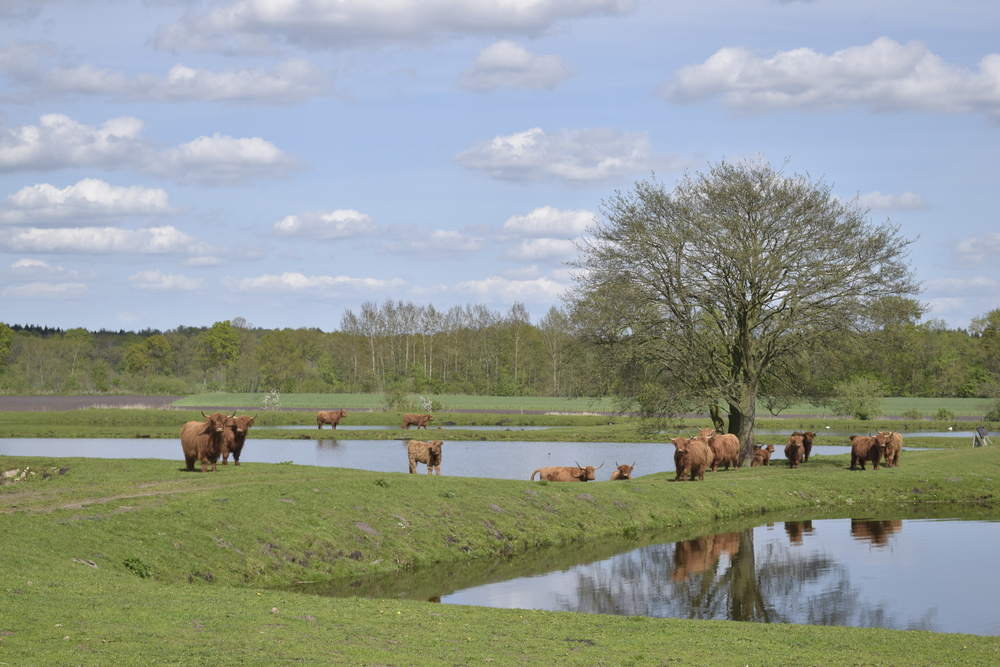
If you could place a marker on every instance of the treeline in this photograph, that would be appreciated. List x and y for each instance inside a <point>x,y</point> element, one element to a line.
<point>399,346</point>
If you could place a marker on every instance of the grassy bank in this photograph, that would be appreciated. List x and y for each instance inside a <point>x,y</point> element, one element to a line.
<point>194,568</point>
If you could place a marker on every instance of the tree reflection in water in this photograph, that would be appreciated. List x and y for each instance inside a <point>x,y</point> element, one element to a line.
<point>724,577</point>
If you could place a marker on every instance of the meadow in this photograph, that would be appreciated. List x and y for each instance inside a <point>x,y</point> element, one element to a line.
<point>132,561</point>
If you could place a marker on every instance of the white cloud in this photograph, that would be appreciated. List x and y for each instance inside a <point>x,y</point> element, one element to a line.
<point>291,81</point>
<point>548,221</point>
<point>946,305</point>
<point>340,224</point>
<point>576,157</point>
<point>59,142</point>
<point>539,290</point>
<point>165,240</point>
<point>28,268</point>
<point>535,250</point>
<point>291,283</point>
<point>962,286</point>
<point>260,26</point>
<point>50,291</point>
<point>882,76</point>
<point>907,201</point>
<point>435,244</point>
<point>158,281</point>
<point>507,64</point>
<point>975,249</point>
<point>88,200</point>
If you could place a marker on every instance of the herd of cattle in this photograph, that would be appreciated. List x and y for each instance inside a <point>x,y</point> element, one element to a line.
<point>221,435</point>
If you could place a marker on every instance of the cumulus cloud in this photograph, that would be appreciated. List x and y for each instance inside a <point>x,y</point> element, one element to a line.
<point>158,281</point>
<point>262,26</point>
<point>298,283</point>
<point>907,201</point>
<point>165,240</point>
<point>88,200</point>
<point>434,244</point>
<point>962,286</point>
<point>534,250</point>
<point>339,224</point>
<point>507,64</point>
<point>28,269</point>
<point>48,291</point>
<point>59,142</point>
<point>576,157</point>
<point>548,221</point>
<point>883,76</point>
<point>977,248</point>
<point>539,290</point>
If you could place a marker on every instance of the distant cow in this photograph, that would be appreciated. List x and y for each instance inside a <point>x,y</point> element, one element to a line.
<point>807,443</point>
<point>893,445</point>
<point>725,449</point>
<point>794,450</point>
<point>762,456</point>
<point>624,471</point>
<point>235,436</point>
<point>691,458</point>
<point>865,448</point>
<point>566,473</point>
<point>416,420</point>
<point>428,453</point>
<point>202,441</point>
<point>331,418</point>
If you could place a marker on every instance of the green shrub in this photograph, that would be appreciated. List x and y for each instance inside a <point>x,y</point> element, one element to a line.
<point>859,398</point>
<point>138,567</point>
<point>912,414</point>
<point>944,415</point>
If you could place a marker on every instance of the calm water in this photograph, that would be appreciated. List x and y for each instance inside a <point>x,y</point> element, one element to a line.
<point>900,574</point>
<point>846,434</point>
<point>356,427</point>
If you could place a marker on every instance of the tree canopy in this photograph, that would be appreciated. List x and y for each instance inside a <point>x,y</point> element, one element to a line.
<point>720,284</point>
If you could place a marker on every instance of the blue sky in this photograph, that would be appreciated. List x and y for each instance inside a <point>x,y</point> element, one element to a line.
<point>175,162</point>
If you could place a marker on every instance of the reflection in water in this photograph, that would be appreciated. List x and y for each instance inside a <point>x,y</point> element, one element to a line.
<point>877,533</point>
<point>795,530</point>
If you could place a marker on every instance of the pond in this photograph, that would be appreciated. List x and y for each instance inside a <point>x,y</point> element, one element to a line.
<point>500,460</point>
<point>900,574</point>
<point>357,427</point>
<point>847,434</point>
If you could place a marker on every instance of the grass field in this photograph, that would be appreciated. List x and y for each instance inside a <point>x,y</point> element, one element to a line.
<point>198,568</point>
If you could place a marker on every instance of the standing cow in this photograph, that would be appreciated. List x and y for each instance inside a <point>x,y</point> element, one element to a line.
<point>235,436</point>
<point>893,445</point>
<point>428,453</point>
<point>866,448</point>
<point>762,456</point>
<point>566,473</point>
<point>794,450</point>
<point>416,420</point>
<point>202,441</point>
<point>331,418</point>
<point>807,444</point>
<point>691,458</point>
<point>725,449</point>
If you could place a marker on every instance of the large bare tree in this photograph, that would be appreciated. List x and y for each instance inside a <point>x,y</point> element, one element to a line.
<point>720,282</point>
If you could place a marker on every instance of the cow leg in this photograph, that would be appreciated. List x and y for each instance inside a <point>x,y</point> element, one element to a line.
<point>413,467</point>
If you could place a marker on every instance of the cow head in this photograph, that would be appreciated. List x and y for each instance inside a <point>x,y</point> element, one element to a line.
<point>624,470</point>
<point>587,473</point>
<point>881,440</point>
<point>343,413</point>
<point>216,422</point>
<point>243,423</point>
<point>707,432</point>
<point>681,444</point>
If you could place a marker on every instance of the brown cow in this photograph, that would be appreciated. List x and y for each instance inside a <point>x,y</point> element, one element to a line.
<point>624,471</point>
<point>762,456</point>
<point>331,418</point>
<point>428,453</point>
<point>202,441</point>
<point>794,450</point>
<point>893,445</point>
<point>725,449</point>
<point>566,473</point>
<point>807,443</point>
<point>865,448</point>
<point>416,420</point>
<point>235,436</point>
<point>706,432</point>
<point>692,457</point>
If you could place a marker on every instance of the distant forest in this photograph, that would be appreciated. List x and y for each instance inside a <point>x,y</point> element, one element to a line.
<point>471,349</point>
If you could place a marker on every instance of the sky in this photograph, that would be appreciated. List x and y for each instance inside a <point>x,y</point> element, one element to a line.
<point>170,163</point>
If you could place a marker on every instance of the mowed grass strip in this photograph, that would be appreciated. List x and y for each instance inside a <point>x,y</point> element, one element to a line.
<point>198,568</point>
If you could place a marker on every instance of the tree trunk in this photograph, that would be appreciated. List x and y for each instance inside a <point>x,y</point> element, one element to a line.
<point>741,423</point>
<point>714,412</point>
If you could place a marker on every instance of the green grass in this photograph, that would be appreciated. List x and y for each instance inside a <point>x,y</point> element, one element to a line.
<point>224,550</point>
<point>377,402</point>
<point>895,405</point>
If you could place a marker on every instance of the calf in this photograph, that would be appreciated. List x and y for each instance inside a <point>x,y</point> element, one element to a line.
<point>624,471</point>
<point>794,450</point>
<point>865,448</point>
<point>691,458</point>
<point>416,420</point>
<point>762,456</point>
<point>331,418</point>
<point>566,473</point>
<point>428,453</point>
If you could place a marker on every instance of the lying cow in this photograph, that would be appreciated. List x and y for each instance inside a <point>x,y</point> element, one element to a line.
<point>416,420</point>
<point>331,418</point>
<point>691,458</point>
<point>762,456</point>
<point>428,453</point>
<point>866,448</point>
<point>624,471</point>
<point>893,445</point>
<point>202,441</point>
<point>235,436</point>
<point>566,473</point>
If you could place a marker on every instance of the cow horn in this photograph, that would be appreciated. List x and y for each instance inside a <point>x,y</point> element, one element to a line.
<point>634,462</point>
<point>577,464</point>
<point>616,464</point>
<point>600,466</point>
<point>203,414</point>
<point>254,416</point>
<point>234,412</point>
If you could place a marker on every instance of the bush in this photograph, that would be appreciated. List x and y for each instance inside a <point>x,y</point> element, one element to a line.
<point>138,567</point>
<point>859,398</point>
<point>915,415</point>
<point>994,414</point>
<point>944,415</point>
